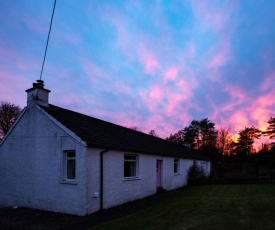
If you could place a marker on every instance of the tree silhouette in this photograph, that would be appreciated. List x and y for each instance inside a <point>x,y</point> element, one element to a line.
<point>246,139</point>
<point>200,134</point>
<point>8,114</point>
<point>224,140</point>
<point>191,135</point>
<point>153,133</point>
<point>135,128</point>
<point>176,138</point>
<point>208,132</point>
<point>270,132</point>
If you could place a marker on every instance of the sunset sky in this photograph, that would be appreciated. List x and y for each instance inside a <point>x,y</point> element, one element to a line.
<point>152,64</point>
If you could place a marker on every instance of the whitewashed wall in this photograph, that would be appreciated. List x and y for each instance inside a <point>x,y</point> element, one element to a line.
<point>117,189</point>
<point>31,167</point>
<point>93,180</point>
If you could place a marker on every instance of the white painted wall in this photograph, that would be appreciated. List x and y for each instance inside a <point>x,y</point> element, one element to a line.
<point>117,189</point>
<point>31,167</point>
<point>93,180</point>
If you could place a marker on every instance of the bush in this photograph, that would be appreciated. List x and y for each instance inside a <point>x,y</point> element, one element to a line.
<point>196,172</point>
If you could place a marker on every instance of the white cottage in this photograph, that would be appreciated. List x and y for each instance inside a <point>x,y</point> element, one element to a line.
<point>58,160</point>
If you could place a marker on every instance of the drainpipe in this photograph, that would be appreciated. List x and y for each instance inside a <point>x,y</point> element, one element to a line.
<point>101,177</point>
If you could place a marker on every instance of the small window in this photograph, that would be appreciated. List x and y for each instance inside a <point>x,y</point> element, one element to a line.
<point>130,165</point>
<point>70,166</point>
<point>176,165</point>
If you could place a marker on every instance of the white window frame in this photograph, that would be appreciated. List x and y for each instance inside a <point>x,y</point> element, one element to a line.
<point>66,163</point>
<point>133,162</point>
<point>176,165</point>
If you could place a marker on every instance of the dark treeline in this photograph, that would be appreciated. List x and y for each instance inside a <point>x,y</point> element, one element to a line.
<point>230,157</point>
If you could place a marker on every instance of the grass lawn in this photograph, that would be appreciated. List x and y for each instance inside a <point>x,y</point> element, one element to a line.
<point>208,207</point>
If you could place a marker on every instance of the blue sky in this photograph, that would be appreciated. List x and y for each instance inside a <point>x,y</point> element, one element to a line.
<point>152,64</point>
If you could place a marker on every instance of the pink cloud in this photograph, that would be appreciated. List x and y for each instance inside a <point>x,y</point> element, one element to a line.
<point>209,15</point>
<point>228,107</point>
<point>218,55</point>
<point>12,88</point>
<point>121,87</point>
<point>238,120</point>
<point>156,93</point>
<point>123,36</point>
<point>171,73</point>
<point>173,104</point>
<point>269,81</point>
<point>151,97</point>
<point>156,122</point>
<point>92,71</point>
<point>215,108</point>
<point>148,59</point>
<point>253,111</point>
<point>12,60</point>
<point>237,94</point>
<point>185,88</point>
<point>34,24</point>
<point>262,108</point>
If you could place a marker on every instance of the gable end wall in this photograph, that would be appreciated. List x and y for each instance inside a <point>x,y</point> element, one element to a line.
<point>31,161</point>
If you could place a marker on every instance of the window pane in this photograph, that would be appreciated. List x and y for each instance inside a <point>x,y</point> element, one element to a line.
<point>133,168</point>
<point>71,169</point>
<point>129,168</point>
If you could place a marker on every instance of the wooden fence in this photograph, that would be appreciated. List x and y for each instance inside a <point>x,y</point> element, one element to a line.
<point>209,181</point>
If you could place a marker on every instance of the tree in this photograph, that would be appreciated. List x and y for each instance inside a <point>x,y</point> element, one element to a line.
<point>270,132</point>
<point>224,140</point>
<point>208,133</point>
<point>191,135</point>
<point>8,114</point>
<point>246,139</point>
<point>200,134</point>
<point>135,128</point>
<point>176,138</point>
<point>153,133</point>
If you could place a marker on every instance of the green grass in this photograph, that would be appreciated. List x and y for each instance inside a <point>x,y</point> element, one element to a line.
<point>207,207</point>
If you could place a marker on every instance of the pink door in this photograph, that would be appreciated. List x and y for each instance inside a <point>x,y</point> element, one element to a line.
<point>159,173</point>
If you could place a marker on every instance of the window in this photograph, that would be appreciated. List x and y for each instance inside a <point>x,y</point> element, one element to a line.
<point>70,165</point>
<point>130,165</point>
<point>176,165</point>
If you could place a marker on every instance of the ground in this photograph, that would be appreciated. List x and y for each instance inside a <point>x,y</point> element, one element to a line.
<point>25,218</point>
<point>203,207</point>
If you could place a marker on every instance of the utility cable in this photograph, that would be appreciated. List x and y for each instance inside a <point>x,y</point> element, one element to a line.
<point>47,41</point>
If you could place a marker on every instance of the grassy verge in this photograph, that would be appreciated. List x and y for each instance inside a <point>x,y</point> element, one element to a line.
<point>208,207</point>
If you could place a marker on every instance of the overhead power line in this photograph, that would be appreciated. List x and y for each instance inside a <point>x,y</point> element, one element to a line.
<point>47,41</point>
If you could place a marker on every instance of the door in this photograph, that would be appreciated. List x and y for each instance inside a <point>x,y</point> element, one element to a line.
<point>159,173</point>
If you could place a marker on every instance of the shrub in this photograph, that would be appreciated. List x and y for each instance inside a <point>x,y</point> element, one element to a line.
<point>196,172</point>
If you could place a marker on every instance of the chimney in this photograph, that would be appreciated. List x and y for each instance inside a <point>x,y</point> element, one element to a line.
<point>38,95</point>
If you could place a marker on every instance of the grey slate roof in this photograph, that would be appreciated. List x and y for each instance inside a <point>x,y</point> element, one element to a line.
<point>99,133</point>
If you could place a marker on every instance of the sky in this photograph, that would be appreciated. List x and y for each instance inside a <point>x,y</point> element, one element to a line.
<point>151,64</point>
